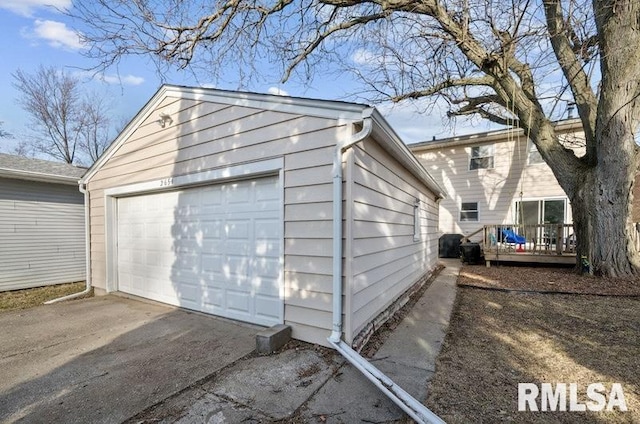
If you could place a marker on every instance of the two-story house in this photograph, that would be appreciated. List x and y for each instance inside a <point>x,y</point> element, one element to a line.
<point>497,178</point>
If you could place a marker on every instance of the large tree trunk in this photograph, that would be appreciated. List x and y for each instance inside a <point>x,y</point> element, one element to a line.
<point>604,210</point>
<point>602,218</point>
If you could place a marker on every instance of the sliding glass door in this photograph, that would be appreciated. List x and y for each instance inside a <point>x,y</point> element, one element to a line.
<point>534,213</point>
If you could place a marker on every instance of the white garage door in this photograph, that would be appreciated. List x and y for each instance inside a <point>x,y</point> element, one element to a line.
<point>214,249</point>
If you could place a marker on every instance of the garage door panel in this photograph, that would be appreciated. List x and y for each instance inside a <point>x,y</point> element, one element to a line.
<point>267,287</point>
<point>238,301</point>
<point>267,229</point>
<point>189,292</point>
<point>267,267</point>
<point>215,249</point>
<point>212,300</point>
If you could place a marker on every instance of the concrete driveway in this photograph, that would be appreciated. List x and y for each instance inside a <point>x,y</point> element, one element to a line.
<point>104,359</point>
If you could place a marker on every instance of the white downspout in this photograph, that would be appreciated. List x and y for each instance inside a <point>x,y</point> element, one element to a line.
<point>367,126</point>
<point>416,410</point>
<point>87,250</point>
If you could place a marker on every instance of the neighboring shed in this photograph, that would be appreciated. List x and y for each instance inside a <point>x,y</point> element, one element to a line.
<point>42,229</point>
<point>222,202</point>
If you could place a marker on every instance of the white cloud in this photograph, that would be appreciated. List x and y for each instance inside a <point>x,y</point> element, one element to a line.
<point>110,79</point>
<point>27,7</point>
<point>121,79</point>
<point>277,91</point>
<point>56,34</point>
<point>365,57</point>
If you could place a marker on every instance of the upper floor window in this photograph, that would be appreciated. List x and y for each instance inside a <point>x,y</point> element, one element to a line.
<point>534,156</point>
<point>482,157</point>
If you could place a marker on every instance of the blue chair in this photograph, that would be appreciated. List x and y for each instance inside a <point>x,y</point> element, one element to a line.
<point>510,237</point>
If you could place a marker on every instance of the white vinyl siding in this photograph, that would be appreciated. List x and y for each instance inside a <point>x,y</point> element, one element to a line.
<point>41,234</point>
<point>208,136</point>
<point>384,258</point>
<point>496,189</point>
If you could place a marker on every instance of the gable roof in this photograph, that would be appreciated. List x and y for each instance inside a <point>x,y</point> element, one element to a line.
<point>564,126</point>
<point>19,167</point>
<point>329,109</point>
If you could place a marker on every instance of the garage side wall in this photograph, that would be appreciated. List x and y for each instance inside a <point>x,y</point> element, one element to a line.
<point>41,234</point>
<point>388,255</point>
<point>207,136</point>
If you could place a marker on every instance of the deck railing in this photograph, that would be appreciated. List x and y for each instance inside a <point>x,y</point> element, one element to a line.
<point>541,239</point>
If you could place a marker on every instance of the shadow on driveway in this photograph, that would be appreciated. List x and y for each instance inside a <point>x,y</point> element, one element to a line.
<point>105,359</point>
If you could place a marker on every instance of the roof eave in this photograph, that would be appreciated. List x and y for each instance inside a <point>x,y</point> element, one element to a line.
<point>394,145</point>
<point>487,137</point>
<point>38,176</point>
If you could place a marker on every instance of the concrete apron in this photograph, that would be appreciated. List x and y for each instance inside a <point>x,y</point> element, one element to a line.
<point>319,387</point>
<point>105,359</point>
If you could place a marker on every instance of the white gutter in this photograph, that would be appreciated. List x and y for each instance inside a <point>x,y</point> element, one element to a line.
<point>416,410</point>
<point>87,228</point>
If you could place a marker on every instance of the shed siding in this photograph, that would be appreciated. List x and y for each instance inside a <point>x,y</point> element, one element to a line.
<point>495,190</point>
<point>41,234</point>
<point>207,136</point>
<point>386,259</point>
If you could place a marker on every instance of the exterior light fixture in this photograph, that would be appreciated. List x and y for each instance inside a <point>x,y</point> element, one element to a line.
<point>164,120</point>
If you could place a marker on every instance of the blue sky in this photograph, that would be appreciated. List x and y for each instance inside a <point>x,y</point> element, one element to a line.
<point>36,34</point>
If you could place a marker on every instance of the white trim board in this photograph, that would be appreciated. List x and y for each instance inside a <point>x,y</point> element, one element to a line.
<point>252,169</point>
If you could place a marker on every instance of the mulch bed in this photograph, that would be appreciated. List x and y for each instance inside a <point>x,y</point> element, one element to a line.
<point>545,280</point>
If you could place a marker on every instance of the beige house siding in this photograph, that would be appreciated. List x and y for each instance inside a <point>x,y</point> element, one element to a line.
<point>384,259</point>
<point>495,190</point>
<point>206,136</point>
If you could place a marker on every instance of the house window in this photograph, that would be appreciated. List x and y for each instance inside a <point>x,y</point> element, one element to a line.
<point>534,156</point>
<point>469,211</point>
<point>417,233</point>
<point>481,157</point>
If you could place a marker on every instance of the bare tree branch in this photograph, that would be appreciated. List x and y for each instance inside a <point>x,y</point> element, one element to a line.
<point>63,123</point>
<point>474,106</point>
<point>485,81</point>
<point>585,99</point>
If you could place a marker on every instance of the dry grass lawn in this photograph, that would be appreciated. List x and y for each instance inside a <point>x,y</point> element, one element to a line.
<point>27,298</point>
<point>497,339</point>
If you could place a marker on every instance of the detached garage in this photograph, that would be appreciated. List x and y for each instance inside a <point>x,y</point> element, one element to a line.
<point>224,202</point>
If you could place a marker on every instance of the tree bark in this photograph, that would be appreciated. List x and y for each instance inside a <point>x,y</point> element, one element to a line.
<point>612,251</point>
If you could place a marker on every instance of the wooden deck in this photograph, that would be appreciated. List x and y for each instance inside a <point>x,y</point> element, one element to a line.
<point>565,258</point>
<point>545,243</point>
